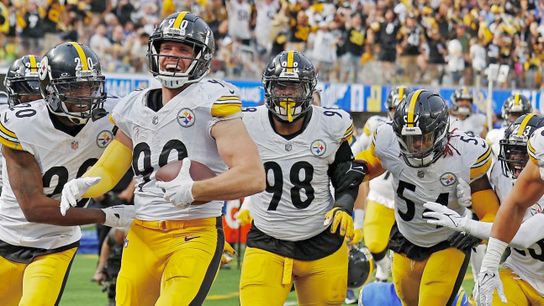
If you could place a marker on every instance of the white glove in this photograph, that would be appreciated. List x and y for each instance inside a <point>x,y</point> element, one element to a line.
<point>442,215</point>
<point>179,190</point>
<point>119,215</point>
<point>73,190</point>
<point>487,282</point>
<point>489,279</point>
<point>464,193</point>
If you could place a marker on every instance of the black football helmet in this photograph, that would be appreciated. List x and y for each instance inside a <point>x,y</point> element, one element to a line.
<point>190,30</point>
<point>513,147</point>
<point>72,83</point>
<point>462,94</point>
<point>22,82</point>
<point>360,267</point>
<point>393,99</point>
<point>421,124</point>
<point>515,106</point>
<point>289,81</point>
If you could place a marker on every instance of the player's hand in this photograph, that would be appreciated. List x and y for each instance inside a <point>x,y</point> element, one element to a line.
<point>357,237</point>
<point>228,253</point>
<point>99,277</point>
<point>243,217</point>
<point>179,190</point>
<point>349,174</point>
<point>340,219</point>
<point>442,215</point>
<point>464,193</point>
<point>73,190</point>
<point>488,281</point>
<point>119,215</point>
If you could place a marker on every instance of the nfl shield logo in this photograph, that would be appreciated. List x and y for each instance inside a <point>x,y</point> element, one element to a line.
<point>74,145</point>
<point>318,147</point>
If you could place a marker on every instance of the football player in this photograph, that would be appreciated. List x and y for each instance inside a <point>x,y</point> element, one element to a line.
<point>45,144</point>
<point>528,190</point>
<point>380,215</point>
<point>22,85</point>
<point>304,148</point>
<point>22,82</point>
<point>428,162</point>
<point>463,117</point>
<point>523,269</point>
<point>174,247</point>
<point>514,107</point>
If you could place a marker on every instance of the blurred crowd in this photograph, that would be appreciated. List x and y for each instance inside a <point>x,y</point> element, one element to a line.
<point>435,42</point>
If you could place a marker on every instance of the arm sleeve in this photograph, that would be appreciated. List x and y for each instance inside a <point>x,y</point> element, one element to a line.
<point>111,167</point>
<point>530,231</point>
<point>345,177</point>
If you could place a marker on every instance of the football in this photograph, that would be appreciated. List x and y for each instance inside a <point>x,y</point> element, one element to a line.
<point>198,171</point>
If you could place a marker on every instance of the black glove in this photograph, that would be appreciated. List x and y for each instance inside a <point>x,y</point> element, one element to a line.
<point>462,241</point>
<point>348,174</point>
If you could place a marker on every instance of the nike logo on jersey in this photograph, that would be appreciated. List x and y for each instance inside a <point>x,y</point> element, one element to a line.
<point>231,91</point>
<point>190,238</point>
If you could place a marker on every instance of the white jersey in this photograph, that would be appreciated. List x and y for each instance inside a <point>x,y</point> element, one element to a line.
<point>493,138</point>
<point>239,15</point>
<point>3,108</point>
<point>60,157</point>
<point>381,187</point>
<point>297,195</point>
<point>535,148</point>
<point>473,125</point>
<point>528,264</point>
<point>181,128</point>
<point>470,159</point>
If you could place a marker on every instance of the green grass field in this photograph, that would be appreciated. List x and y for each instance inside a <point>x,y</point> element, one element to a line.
<point>81,291</point>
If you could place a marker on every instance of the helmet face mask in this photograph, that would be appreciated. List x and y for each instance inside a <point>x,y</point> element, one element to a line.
<point>22,81</point>
<point>421,124</point>
<point>189,61</point>
<point>72,83</point>
<point>289,83</point>
<point>462,99</point>
<point>513,154</point>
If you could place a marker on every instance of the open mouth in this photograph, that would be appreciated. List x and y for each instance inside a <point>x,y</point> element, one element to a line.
<point>173,68</point>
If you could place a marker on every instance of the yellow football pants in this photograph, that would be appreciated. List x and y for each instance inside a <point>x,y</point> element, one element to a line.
<point>169,262</point>
<point>518,292</point>
<point>39,283</point>
<point>379,220</point>
<point>434,281</point>
<point>267,278</point>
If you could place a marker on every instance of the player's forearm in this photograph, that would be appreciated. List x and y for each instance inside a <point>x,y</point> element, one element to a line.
<point>46,210</point>
<point>530,231</point>
<point>527,190</point>
<point>237,182</point>
<point>111,167</point>
<point>507,222</point>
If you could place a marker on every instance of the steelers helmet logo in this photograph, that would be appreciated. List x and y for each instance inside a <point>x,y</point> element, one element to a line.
<point>43,70</point>
<point>104,138</point>
<point>318,147</point>
<point>186,117</point>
